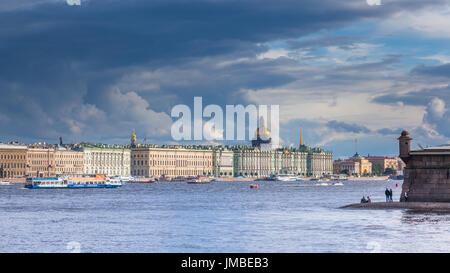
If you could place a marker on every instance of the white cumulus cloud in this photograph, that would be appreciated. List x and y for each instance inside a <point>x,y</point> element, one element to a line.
<point>373,2</point>
<point>73,2</point>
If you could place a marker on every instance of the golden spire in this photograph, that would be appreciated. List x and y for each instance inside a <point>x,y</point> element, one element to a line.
<point>301,138</point>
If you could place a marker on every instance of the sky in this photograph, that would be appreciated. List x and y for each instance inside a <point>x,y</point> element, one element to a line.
<point>92,70</point>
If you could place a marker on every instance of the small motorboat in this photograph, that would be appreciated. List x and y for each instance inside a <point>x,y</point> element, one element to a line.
<point>199,180</point>
<point>143,181</point>
<point>5,183</point>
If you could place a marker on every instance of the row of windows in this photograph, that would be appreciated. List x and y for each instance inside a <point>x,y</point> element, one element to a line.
<point>43,155</point>
<point>79,157</point>
<point>69,170</point>
<point>67,162</point>
<point>12,165</point>
<point>41,163</point>
<point>34,169</point>
<point>107,155</point>
<point>13,156</point>
<point>11,173</point>
<point>171,156</point>
<point>169,172</point>
<point>113,162</point>
<point>171,163</point>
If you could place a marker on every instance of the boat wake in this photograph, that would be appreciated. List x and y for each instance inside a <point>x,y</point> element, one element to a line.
<point>317,185</point>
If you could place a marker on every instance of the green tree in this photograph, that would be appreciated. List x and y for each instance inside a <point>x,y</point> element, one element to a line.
<point>389,171</point>
<point>377,169</point>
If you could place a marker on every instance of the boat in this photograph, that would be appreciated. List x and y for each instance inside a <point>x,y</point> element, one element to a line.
<point>284,177</point>
<point>143,181</point>
<point>199,180</point>
<point>99,181</point>
<point>180,179</point>
<point>46,183</point>
<point>5,183</point>
<point>123,179</point>
<point>324,180</point>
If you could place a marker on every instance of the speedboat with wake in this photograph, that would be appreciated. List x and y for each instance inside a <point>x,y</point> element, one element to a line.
<point>285,177</point>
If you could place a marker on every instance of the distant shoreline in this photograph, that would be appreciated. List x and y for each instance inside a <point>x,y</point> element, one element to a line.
<point>236,179</point>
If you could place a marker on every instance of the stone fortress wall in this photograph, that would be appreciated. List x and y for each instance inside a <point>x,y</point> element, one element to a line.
<point>427,177</point>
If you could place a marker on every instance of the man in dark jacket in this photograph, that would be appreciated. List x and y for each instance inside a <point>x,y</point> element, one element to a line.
<point>386,192</point>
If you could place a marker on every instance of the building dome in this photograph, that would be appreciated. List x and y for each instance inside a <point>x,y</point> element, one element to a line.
<point>405,133</point>
<point>262,135</point>
<point>262,132</point>
<point>133,139</point>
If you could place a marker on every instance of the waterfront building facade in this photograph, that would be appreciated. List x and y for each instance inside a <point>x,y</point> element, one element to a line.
<point>263,160</point>
<point>13,160</point>
<point>320,163</point>
<point>105,159</point>
<point>223,162</point>
<point>384,162</point>
<point>365,167</point>
<point>149,161</point>
<point>349,167</point>
<point>40,161</point>
<point>250,161</point>
<point>68,162</point>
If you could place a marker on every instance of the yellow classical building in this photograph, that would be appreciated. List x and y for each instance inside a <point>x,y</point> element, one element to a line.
<point>170,162</point>
<point>40,162</point>
<point>13,160</point>
<point>365,166</point>
<point>385,162</point>
<point>68,162</point>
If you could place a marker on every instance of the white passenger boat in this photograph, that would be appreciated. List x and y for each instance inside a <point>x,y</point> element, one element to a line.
<point>4,183</point>
<point>99,181</point>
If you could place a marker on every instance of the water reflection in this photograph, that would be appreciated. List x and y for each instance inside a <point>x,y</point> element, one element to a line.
<point>425,216</point>
<point>216,217</point>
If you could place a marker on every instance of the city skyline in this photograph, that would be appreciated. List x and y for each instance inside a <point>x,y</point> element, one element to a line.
<point>340,71</point>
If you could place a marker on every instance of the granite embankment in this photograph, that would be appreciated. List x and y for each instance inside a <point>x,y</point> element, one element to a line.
<point>423,206</point>
<point>14,180</point>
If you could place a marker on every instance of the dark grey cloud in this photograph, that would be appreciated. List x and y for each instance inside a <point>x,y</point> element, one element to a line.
<point>61,66</point>
<point>417,98</point>
<point>389,131</point>
<point>344,127</point>
<point>438,70</point>
<point>341,41</point>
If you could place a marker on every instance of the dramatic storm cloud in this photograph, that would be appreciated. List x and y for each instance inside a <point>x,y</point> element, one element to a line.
<point>93,70</point>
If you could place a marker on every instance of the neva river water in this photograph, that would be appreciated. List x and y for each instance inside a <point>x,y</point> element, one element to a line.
<point>216,217</point>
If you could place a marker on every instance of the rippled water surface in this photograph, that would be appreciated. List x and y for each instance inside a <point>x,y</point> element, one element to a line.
<point>215,217</point>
